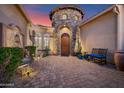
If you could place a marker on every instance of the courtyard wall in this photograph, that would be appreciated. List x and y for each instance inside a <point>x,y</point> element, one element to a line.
<point>12,15</point>
<point>100,33</point>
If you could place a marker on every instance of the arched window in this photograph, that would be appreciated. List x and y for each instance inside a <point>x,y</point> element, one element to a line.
<point>64,16</point>
<point>46,41</point>
<point>76,17</point>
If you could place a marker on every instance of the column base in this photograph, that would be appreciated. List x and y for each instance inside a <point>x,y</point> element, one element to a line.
<point>119,60</point>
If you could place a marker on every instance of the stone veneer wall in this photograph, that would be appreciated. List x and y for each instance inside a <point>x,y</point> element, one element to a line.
<point>101,33</point>
<point>70,22</point>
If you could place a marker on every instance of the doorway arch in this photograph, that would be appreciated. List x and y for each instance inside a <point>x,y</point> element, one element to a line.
<point>65,44</point>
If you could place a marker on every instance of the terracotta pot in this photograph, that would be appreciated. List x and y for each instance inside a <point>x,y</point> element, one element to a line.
<point>119,60</point>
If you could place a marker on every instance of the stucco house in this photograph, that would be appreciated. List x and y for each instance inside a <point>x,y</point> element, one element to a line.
<point>41,37</point>
<point>13,26</point>
<point>68,31</point>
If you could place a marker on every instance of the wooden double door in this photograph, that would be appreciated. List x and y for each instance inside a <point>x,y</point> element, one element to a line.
<point>65,44</point>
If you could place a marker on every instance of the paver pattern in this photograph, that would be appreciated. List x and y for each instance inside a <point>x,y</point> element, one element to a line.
<point>70,72</point>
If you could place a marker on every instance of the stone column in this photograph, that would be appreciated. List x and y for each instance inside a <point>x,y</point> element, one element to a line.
<point>58,45</point>
<point>56,41</point>
<point>119,54</point>
<point>73,40</point>
<point>120,28</point>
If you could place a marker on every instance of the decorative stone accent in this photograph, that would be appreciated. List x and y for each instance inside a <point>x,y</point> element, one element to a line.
<point>119,60</point>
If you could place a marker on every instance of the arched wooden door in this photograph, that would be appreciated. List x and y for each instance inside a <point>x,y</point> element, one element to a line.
<point>65,44</point>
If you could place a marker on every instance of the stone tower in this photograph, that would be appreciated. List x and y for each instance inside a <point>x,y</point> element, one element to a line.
<point>65,19</point>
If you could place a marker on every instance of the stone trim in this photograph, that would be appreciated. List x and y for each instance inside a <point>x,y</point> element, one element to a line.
<point>73,7</point>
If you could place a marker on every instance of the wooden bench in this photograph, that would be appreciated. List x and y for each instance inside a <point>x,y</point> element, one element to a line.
<point>98,55</point>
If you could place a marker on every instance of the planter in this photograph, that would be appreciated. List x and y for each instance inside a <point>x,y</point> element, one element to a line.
<point>119,60</point>
<point>26,60</point>
<point>80,56</point>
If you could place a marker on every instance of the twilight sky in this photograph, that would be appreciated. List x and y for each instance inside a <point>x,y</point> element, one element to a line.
<point>39,13</point>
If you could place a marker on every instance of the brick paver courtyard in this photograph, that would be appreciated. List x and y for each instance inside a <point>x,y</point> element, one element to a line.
<point>56,71</point>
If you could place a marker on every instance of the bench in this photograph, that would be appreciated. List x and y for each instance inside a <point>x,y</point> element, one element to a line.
<point>98,54</point>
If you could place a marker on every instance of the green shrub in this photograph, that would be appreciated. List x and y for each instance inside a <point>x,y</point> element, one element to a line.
<point>46,52</point>
<point>10,59</point>
<point>4,54</point>
<point>31,50</point>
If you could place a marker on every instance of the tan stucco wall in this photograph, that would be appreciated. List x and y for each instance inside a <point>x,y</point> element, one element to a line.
<point>10,14</point>
<point>100,33</point>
